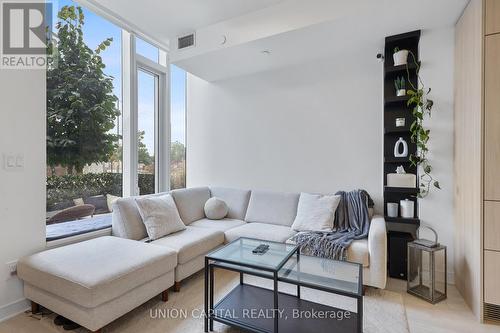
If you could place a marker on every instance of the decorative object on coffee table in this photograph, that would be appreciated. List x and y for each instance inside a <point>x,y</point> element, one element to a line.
<point>427,264</point>
<point>281,263</point>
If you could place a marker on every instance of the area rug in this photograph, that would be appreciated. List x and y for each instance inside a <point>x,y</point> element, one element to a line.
<point>384,311</point>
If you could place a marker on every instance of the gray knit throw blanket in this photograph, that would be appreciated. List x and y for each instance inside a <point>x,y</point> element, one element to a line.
<point>351,222</point>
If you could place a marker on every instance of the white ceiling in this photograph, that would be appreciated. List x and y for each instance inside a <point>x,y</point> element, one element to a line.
<point>358,34</point>
<point>165,19</point>
<point>346,28</point>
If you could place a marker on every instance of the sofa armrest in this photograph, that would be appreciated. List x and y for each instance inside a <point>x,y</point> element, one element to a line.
<point>377,247</point>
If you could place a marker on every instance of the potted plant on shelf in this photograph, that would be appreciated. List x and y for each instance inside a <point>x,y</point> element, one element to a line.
<point>400,57</point>
<point>421,107</point>
<point>400,85</point>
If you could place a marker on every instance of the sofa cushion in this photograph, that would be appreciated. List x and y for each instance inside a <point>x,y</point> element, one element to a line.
<point>358,252</point>
<point>191,203</point>
<point>236,200</point>
<point>221,225</point>
<point>215,208</point>
<point>126,220</point>
<point>264,231</point>
<point>159,215</point>
<point>96,271</point>
<point>272,207</point>
<point>192,242</point>
<point>315,212</point>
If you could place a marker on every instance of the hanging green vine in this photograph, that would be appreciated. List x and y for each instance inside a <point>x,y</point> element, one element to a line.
<point>421,107</point>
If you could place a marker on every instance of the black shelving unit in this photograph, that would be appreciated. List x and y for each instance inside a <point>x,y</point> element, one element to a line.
<point>397,160</point>
<point>398,70</point>
<point>396,100</point>
<point>403,190</point>
<point>397,107</point>
<point>402,220</point>
<point>396,130</point>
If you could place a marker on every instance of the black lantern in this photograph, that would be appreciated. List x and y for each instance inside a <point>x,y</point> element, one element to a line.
<point>427,264</point>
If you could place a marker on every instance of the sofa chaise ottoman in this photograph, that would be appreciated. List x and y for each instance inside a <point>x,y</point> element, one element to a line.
<point>97,281</point>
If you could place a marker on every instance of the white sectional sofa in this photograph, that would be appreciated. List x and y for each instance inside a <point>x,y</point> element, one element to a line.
<point>252,213</point>
<point>94,282</point>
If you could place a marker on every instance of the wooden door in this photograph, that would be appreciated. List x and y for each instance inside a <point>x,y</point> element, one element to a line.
<point>492,17</point>
<point>491,277</point>
<point>492,225</point>
<point>492,118</point>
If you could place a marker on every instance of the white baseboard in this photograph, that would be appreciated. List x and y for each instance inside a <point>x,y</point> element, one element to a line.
<point>13,309</point>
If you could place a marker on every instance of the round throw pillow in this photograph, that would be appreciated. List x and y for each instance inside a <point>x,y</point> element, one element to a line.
<point>215,209</point>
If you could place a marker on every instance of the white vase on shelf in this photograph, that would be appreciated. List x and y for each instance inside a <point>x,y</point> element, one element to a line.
<point>392,209</point>
<point>407,208</point>
<point>399,143</point>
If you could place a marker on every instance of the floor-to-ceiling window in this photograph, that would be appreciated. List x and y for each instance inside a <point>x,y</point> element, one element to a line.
<point>152,113</point>
<point>147,96</point>
<point>147,50</point>
<point>91,131</point>
<point>84,130</point>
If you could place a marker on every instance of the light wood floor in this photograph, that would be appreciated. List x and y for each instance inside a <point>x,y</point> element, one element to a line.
<point>450,316</point>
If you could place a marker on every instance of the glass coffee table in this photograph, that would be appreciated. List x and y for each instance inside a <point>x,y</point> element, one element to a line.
<point>255,309</point>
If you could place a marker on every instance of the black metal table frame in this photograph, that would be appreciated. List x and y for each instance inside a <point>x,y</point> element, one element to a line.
<point>210,263</point>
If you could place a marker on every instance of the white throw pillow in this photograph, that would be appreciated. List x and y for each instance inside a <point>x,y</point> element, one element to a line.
<point>315,212</point>
<point>216,209</point>
<point>159,215</point>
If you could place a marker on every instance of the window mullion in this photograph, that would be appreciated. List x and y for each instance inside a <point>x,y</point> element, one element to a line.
<point>130,140</point>
<point>164,134</point>
<point>164,124</point>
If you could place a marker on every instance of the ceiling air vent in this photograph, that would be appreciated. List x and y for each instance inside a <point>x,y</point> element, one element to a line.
<point>186,41</point>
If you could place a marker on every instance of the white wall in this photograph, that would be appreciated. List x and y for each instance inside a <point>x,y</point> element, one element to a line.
<point>317,127</point>
<point>305,128</point>
<point>437,54</point>
<point>22,193</point>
